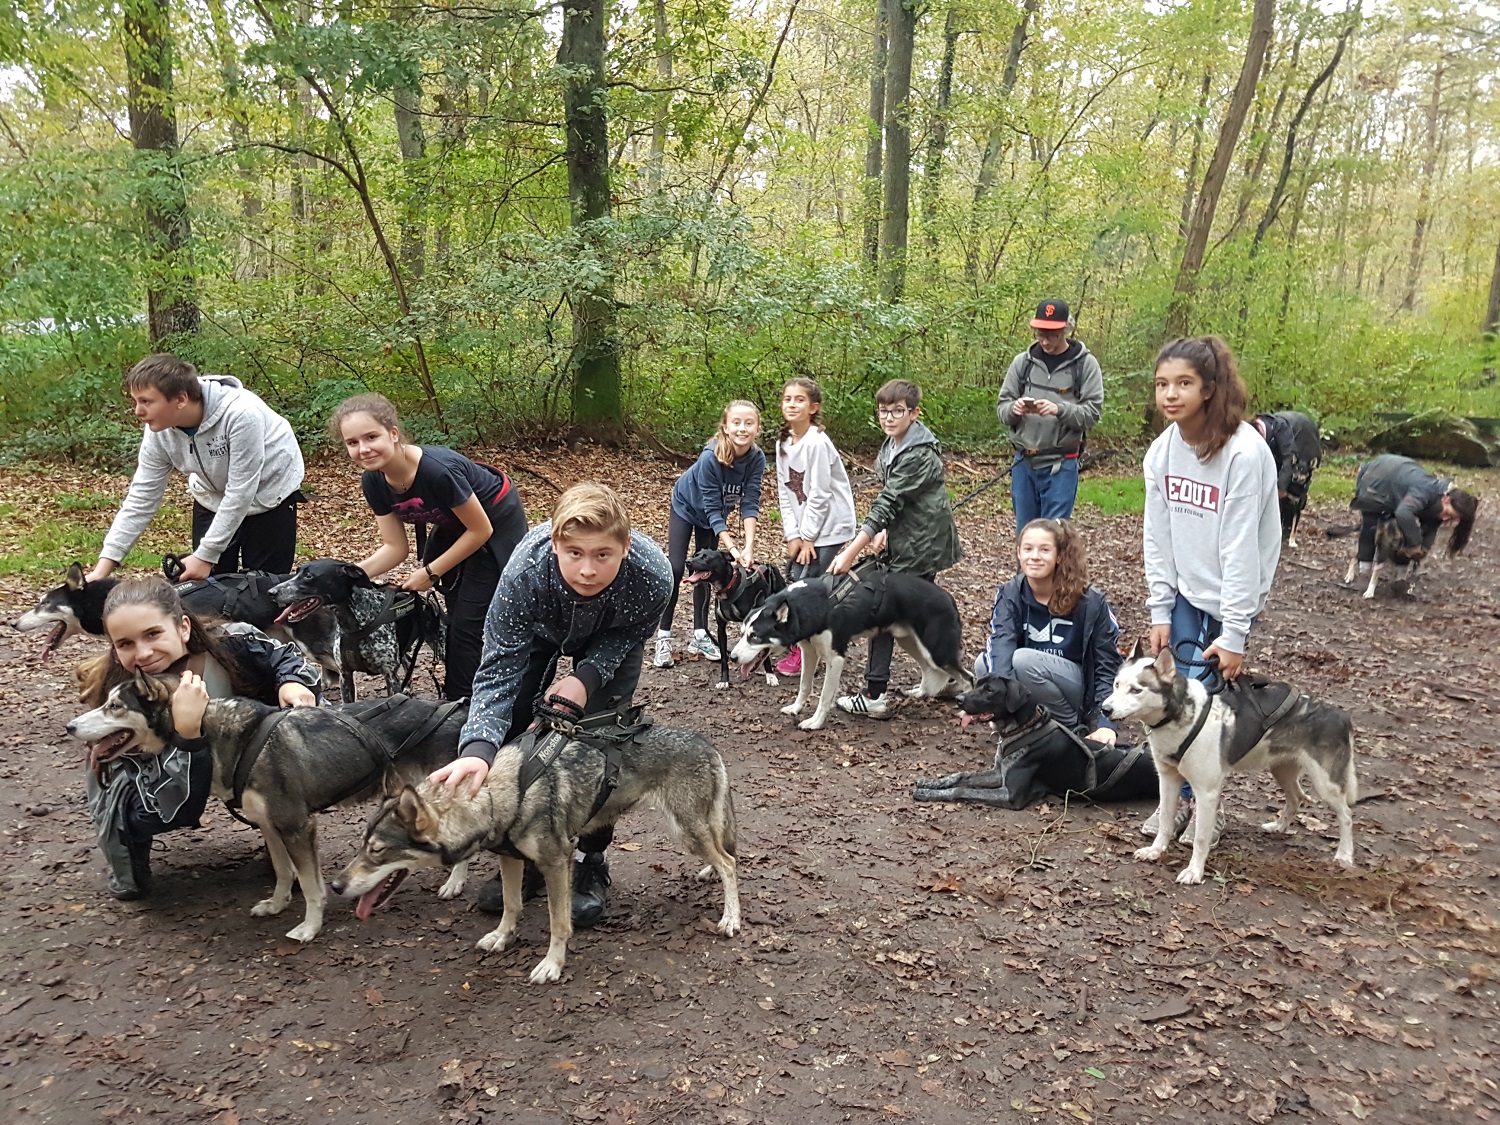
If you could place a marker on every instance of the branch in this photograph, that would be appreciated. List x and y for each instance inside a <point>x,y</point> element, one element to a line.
<point>755,105</point>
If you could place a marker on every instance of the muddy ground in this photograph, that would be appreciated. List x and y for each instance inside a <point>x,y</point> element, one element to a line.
<point>900,961</point>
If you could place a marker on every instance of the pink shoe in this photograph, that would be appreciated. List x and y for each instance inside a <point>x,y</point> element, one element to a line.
<point>791,663</point>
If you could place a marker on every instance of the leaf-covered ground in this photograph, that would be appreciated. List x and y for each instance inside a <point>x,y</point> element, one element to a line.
<point>899,962</point>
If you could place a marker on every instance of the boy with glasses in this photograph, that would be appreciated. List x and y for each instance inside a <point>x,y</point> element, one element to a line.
<point>910,525</point>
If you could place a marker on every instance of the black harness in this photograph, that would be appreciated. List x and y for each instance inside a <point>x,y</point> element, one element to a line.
<point>1042,728</point>
<point>1216,684</point>
<point>397,604</point>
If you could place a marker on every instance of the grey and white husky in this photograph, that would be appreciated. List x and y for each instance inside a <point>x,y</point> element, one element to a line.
<point>678,771</point>
<point>1200,738</point>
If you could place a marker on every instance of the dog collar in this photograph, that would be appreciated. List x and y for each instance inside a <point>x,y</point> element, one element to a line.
<point>1192,734</point>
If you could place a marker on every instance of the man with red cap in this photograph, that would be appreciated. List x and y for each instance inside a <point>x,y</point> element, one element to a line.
<point>1052,396</point>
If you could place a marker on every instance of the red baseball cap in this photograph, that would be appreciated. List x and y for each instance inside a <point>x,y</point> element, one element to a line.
<point>1051,314</point>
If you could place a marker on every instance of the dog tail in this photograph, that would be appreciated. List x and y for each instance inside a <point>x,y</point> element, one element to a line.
<point>1339,531</point>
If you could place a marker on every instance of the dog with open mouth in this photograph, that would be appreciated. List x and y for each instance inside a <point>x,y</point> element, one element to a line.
<point>738,592</point>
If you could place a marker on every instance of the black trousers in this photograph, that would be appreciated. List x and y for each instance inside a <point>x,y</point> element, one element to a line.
<point>679,531</point>
<point>265,542</point>
<point>467,592</point>
<point>882,646</point>
<point>139,824</point>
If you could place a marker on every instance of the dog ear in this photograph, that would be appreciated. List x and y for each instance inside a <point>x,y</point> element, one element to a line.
<point>1139,651</point>
<point>74,579</point>
<point>354,574</point>
<point>391,783</point>
<point>1166,666</point>
<point>783,611</point>
<point>1017,698</point>
<point>415,816</point>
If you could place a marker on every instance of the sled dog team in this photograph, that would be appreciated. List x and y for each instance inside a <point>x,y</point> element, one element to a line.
<point>539,767</point>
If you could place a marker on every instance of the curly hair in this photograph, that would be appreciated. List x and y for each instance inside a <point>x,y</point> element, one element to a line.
<point>1225,398</point>
<point>1071,578</point>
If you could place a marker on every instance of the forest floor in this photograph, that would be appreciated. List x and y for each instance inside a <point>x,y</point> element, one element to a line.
<point>899,961</point>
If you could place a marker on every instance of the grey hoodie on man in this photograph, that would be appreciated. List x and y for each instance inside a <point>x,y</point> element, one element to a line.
<point>1077,386</point>
<point>241,460</point>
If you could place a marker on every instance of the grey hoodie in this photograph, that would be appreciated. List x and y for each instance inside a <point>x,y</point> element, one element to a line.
<point>1078,389</point>
<point>242,461</point>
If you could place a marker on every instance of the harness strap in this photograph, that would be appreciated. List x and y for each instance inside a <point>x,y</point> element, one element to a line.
<point>390,612</point>
<point>1176,756</point>
<point>1119,771</point>
<point>379,749</point>
<point>1282,711</point>
<point>249,756</point>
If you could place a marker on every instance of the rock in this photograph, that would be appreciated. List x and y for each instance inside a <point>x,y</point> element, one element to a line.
<point>1436,435</point>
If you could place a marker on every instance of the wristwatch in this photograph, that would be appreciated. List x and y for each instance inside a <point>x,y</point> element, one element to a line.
<point>430,576</point>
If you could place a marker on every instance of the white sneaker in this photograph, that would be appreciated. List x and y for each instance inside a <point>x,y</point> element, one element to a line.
<point>663,657</point>
<point>704,647</point>
<point>1186,836</point>
<point>861,704</point>
<point>1179,822</point>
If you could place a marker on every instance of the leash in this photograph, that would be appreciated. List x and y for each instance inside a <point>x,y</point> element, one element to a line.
<point>985,487</point>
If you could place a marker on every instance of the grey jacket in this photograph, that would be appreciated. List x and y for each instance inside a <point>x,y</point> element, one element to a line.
<point>242,461</point>
<point>1078,389</point>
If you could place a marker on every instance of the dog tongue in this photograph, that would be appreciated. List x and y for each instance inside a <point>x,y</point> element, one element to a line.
<point>366,905</point>
<point>967,719</point>
<point>101,749</point>
<point>52,640</point>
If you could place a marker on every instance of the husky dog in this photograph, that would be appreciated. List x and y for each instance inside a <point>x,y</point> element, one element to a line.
<point>738,592</point>
<point>1390,549</point>
<point>283,766</point>
<point>380,628</point>
<point>677,771</point>
<point>1252,725</point>
<point>827,614</point>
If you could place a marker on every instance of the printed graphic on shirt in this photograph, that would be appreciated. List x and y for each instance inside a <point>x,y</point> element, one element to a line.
<point>794,484</point>
<point>418,510</point>
<point>1195,494</point>
<point>1054,632</point>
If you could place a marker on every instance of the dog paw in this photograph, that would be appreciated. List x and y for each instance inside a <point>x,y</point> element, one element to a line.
<point>791,709</point>
<point>1276,827</point>
<point>1189,876</point>
<point>268,906</point>
<point>1151,853</point>
<point>813,723</point>
<point>305,932</point>
<point>913,692</point>
<point>705,873</point>
<point>547,972</point>
<point>771,680</point>
<point>493,942</point>
<point>453,887</point>
<point>1344,861</point>
<point>1368,594</point>
<point>729,926</point>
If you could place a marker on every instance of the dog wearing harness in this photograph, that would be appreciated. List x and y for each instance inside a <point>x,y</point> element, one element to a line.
<point>564,778</point>
<point>1200,733</point>
<point>738,592</point>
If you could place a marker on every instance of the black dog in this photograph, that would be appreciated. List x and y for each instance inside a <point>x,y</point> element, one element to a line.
<point>1039,757</point>
<point>379,627</point>
<point>738,592</point>
<point>1297,449</point>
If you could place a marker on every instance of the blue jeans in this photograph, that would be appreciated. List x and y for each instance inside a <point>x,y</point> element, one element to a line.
<point>1042,493</point>
<point>1191,624</point>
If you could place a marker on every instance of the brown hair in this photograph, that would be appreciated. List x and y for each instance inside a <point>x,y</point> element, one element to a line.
<point>1224,393</point>
<point>99,674</point>
<point>723,447</point>
<point>590,508</point>
<point>377,406</point>
<point>1071,577</point>
<point>814,398</point>
<point>166,373</point>
<point>1466,504</point>
<point>899,390</point>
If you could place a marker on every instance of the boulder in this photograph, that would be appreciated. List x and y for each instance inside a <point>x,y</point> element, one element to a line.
<point>1436,435</point>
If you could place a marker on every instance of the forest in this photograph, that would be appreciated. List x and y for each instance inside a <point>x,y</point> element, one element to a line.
<point>519,219</point>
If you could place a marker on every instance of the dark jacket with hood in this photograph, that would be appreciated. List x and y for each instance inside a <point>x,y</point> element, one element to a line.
<point>912,508</point>
<point>1077,386</point>
<point>1295,447</point>
<point>1389,486</point>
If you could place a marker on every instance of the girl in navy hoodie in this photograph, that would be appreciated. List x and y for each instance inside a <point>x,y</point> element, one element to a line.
<point>726,476</point>
<point>1053,632</point>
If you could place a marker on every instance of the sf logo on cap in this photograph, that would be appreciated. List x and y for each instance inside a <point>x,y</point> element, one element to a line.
<point>1051,310</point>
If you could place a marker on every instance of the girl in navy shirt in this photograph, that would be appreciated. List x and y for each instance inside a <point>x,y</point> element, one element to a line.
<point>473,510</point>
<point>726,476</point>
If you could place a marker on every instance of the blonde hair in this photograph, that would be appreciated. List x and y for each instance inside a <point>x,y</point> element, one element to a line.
<point>723,447</point>
<point>1071,577</point>
<point>590,508</point>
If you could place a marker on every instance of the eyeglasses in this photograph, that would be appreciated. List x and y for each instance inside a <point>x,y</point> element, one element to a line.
<point>891,411</point>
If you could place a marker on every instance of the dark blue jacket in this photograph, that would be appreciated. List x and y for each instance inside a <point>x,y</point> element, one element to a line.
<point>1390,485</point>
<point>707,492</point>
<point>1101,646</point>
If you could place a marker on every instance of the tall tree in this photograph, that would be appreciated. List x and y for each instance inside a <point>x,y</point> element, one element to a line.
<point>411,142</point>
<point>895,211</point>
<point>1424,189</point>
<point>171,288</point>
<point>1490,328</point>
<point>937,132</point>
<point>996,140</point>
<point>875,134</point>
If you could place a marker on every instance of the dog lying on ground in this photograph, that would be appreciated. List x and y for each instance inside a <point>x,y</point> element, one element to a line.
<point>828,614</point>
<point>379,627</point>
<point>283,766</point>
<point>77,606</point>
<point>1390,550</point>
<point>678,771</point>
<point>1038,757</point>
<point>738,591</point>
<point>1252,725</point>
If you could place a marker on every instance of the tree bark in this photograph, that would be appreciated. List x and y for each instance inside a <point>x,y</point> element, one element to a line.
<point>1490,329</point>
<point>896,182</point>
<point>1424,191</point>
<point>873,139</point>
<point>995,142</point>
<point>239,126</point>
<point>664,103</point>
<point>937,133</point>
<point>411,140</point>
<point>1179,316</point>
<point>1190,181</point>
<point>171,288</point>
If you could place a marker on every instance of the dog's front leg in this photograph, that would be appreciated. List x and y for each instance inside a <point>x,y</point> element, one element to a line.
<point>1204,821</point>
<point>833,671</point>
<point>456,879</point>
<point>804,681</point>
<point>1291,538</point>
<point>1375,569</point>
<point>346,686</point>
<point>303,846</point>
<point>1169,785</point>
<point>723,652</point>
<point>281,860</point>
<point>559,877</point>
<point>512,870</point>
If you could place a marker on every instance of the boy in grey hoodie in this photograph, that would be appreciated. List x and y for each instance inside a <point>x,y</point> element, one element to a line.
<point>242,462</point>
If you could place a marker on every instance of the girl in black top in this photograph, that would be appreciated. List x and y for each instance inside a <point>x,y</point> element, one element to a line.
<point>474,511</point>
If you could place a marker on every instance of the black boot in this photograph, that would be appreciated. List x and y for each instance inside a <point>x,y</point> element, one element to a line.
<point>138,884</point>
<point>590,887</point>
<point>491,897</point>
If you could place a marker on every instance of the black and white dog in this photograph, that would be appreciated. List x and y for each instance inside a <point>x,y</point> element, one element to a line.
<point>379,628</point>
<point>827,614</point>
<point>1253,724</point>
<point>1297,448</point>
<point>738,592</point>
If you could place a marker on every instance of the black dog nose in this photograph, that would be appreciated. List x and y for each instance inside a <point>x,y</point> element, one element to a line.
<point>337,886</point>
<point>72,728</point>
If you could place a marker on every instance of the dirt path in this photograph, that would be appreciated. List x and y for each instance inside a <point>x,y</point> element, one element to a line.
<point>900,961</point>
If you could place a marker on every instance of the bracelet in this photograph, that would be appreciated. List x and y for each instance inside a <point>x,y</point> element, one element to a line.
<point>430,576</point>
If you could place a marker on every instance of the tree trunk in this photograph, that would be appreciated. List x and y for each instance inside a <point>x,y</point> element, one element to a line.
<point>1190,181</point>
<point>1424,192</point>
<point>1180,314</point>
<point>171,289</point>
<point>406,102</point>
<point>664,101</point>
<point>896,207</point>
<point>228,53</point>
<point>994,145</point>
<point>937,134</point>
<point>876,129</point>
<point>595,359</point>
<point>1491,326</point>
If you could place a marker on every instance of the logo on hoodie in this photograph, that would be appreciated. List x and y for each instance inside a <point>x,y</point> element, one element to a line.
<point>1195,494</point>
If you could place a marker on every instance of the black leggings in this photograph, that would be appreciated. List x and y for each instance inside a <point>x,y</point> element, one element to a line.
<point>678,533</point>
<point>882,647</point>
<point>467,594</point>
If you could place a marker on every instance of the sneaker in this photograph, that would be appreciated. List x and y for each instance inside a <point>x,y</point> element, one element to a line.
<point>791,663</point>
<point>1179,822</point>
<point>862,704</point>
<point>663,657</point>
<point>1186,835</point>
<point>590,890</point>
<point>704,647</point>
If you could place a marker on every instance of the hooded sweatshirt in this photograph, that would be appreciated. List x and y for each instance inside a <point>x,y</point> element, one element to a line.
<point>242,460</point>
<point>709,490</point>
<point>1213,531</point>
<point>817,503</point>
<point>912,508</point>
<point>1395,486</point>
<point>1077,386</point>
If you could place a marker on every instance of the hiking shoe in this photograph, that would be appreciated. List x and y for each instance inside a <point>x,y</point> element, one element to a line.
<point>704,647</point>
<point>862,704</point>
<point>590,890</point>
<point>663,657</point>
<point>791,663</point>
<point>1179,822</point>
<point>1186,836</point>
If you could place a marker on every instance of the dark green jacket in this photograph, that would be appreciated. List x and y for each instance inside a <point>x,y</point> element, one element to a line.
<point>912,508</point>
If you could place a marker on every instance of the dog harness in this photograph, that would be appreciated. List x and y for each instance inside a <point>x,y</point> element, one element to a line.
<point>1253,721</point>
<point>400,603</point>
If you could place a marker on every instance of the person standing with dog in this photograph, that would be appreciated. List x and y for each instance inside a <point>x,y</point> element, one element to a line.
<point>1212,528</point>
<point>474,510</point>
<point>582,585</point>
<point>817,504</point>
<point>134,797</point>
<point>727,475</point>
<point>1297,449</point>
<point>242,461</point>
<point>910,525</point>
<point>1393,487</point>
<point>1052,396</point>
<point>1053,632</point>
